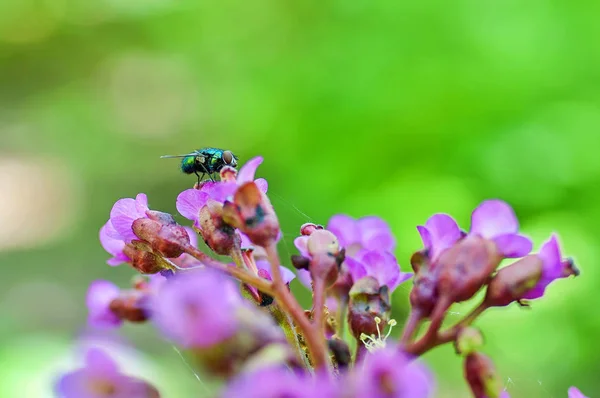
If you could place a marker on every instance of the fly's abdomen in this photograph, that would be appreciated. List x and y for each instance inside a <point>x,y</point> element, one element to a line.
<point>188,164</point>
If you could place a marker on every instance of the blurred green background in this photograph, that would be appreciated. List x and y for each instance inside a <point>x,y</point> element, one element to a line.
<point>399,109</point>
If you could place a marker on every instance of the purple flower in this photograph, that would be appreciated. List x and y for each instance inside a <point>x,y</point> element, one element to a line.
<point>383,266</point>
<point>113,246</point>
<point>99,296</point>
<point>275,382</point>
<point>388,373</point>
<point>495,220</point>
<point>101,378</point>
<point>190,201</point>
<point>492,219</point>
<point>575,393</point>
<point>124,213</point>
<point>553,267</point>
<point>197,308</point>
<point>370,233</point>
<point>439,233</point>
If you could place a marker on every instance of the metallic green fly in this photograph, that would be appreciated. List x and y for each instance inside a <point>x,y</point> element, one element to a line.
<point>206,161</point>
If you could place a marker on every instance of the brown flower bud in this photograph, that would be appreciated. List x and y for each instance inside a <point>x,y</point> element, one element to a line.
<point>300,262</point>
<point>465,267</point>
<point>368,301</point>
<point>162,233</point>
<point>340,352</point>
<point>512,282</point>
<point>252,213</point>
<point>129,307</point>
<point>423,295</point>
<point>482,377</point>
<point>143,259</point>
<point>218,235</point>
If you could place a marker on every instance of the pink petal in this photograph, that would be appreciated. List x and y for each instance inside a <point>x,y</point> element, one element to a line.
<point>355,267</point>
<point>301,244</point>
<point>425,236</point>
<point>110,244</point>
<point>443,233</point>
<point>193,236</point>
<point>575,393</point>
<point>100,363</point>
<point>494,218</point>
<point>262,184</point>
<point>375,234</point>
<point>118,260</point>
<point>383,266</point>
<point>220,191</point>
<point>99,295</point>
<point>189,203</point>
<point>141,203</point>
<point>304,278</point>
<point>551,258</point>
<point>247,171</point>
<point>513,245</point>
<point>345,228</point>
<point>286,274</point>
<point>122,215</point>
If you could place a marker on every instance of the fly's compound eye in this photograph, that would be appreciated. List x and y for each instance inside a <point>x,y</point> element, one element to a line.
<point>228,158</point>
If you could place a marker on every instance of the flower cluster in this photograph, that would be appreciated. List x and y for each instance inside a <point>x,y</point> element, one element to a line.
<point>238,319</point>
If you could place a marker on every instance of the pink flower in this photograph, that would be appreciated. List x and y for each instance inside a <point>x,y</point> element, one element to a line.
<point>113,246</point>
<point>190,201</point>
<point>197,308</point>
<point>100,294</point>
<point>100,377</point>
<point>492,219</point>
<point>553,267</point>
<point>370,233</point>
<point>382,266</point>
<point>124,213</point>
<point>495,220</point>
<point>439,233</point>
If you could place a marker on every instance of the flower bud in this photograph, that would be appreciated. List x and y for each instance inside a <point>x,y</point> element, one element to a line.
<point>512,282</point>
<point>252,213</point>
<point>340,351</point>
<point>308,228</point>
<point>465,267</point>
<point>368,301</point>
<point>129,307</point>
<point>218,235</point>
<point>468,341</point>
<point>323,241</point>
<point>143,259</point>
<point>162,233</point>
<point>482,377</point>
<point>300,262</point>
<point>423,295</point>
